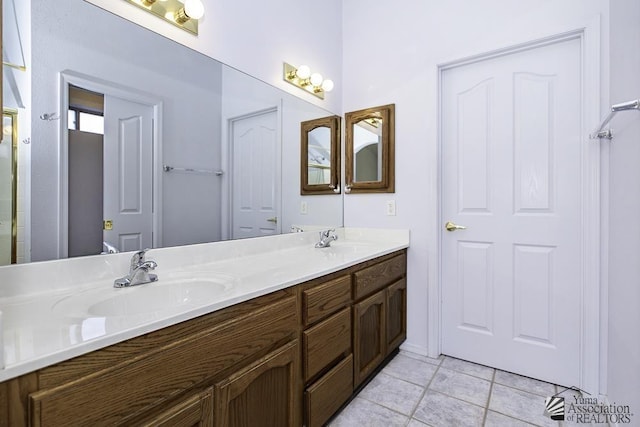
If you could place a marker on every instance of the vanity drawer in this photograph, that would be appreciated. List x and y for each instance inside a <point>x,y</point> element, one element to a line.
<point>329,393</point>
<point>326,342</point>
<point>373,278</point>
<point>325,299</point>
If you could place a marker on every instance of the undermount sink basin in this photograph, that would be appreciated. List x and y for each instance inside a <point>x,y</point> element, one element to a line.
<point>173,291</point>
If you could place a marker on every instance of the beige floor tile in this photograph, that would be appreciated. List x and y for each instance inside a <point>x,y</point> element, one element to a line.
<point>495,419</point>
<point>412,370</point>
<point>361,412</point>
<point>416,423</point>
<point>393,393</point>
<point>461,386</point>
<point>468,368</point>
<point>438,410</point>
<point>519,404</point>
<point>525,384</point>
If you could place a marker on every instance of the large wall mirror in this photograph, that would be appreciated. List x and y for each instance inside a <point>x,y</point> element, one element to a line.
<point>320,156</point>
<point>370,150</point>
<point>191,150</point>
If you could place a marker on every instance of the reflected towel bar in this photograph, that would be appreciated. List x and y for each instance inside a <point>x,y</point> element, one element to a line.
<point>168,168</point>
<point>601,132</point>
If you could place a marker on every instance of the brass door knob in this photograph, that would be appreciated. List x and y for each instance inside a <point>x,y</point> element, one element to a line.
<point>450,226</point>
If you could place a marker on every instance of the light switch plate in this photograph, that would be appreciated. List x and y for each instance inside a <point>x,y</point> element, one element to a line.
<point>304,208</point>
<point>391,207</point>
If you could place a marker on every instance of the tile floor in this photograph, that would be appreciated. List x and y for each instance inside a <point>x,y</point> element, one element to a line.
<point>418,391</point>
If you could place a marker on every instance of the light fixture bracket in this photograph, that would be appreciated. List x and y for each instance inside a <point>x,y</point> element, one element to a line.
<point>171,11</point>
<point>289,76</point>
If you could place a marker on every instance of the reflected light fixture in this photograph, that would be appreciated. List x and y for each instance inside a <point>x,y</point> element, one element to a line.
<point>181,13</point>
<point>303,78</point>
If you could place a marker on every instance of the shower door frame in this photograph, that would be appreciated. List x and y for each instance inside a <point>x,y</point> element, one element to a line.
<point>14,180</point>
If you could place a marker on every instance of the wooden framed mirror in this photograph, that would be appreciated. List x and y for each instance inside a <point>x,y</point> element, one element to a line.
<point>320,156</point>
<point>370,150</point>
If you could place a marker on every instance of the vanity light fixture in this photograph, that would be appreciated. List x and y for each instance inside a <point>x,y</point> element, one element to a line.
<point>374,121</point>
<point>303,78</point>
<point>181,13</point>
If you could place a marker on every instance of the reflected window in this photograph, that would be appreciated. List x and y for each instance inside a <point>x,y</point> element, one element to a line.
<point>86,110</point>
<point>86,121</point>
<point>72,120</point>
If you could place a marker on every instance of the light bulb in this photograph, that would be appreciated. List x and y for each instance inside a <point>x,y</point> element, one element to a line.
<point>327,85</point>
<point>316,79</point>
<point>194,9</point>
<point>303,72</point>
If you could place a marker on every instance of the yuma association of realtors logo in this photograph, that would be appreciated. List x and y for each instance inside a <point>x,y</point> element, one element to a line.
<point>585,410</point>
<point>554,408</point>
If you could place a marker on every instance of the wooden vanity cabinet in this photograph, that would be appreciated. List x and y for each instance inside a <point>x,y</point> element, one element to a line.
<point>137,380</point>
<point>262,394</point>
<point>396,311</point>
<point>326,354</point>
<point>289,358</point>
<point>352,323</point>
<point>379,314</point>
<point>369,323</point>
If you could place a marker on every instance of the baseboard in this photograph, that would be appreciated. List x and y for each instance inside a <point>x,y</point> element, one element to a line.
<point>422,351</point>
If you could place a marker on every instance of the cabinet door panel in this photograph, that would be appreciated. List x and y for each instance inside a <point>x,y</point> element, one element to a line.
<point>266,393</point>
<point>396,314</point>
<point>369,328</point>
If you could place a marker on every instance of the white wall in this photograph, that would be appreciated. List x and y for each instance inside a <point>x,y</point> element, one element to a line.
<point>256,37</point>
<point>71,35</point>
<point>624,209</point>
<point>408,42</point>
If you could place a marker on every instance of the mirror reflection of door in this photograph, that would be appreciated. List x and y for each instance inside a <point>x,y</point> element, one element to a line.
<point>110,178</point>
<point>255,191</point>
<point>367,162</point>
<point>8,188</point>
<point>319,156</point>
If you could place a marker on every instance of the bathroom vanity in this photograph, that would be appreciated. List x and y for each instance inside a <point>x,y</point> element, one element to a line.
<point>285,343</point>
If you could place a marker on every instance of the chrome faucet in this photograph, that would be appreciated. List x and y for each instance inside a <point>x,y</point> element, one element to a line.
<point>326,237</point>
<point>138,271</point>
<point>110,249</point>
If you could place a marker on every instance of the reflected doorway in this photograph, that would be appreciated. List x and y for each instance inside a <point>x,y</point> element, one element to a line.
<point>255,183</point>
<point>110,179</point>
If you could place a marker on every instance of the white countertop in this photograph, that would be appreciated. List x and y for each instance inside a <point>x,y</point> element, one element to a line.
<point>56,310</point>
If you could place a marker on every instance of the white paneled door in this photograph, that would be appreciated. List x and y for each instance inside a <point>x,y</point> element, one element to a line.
<point>256,173</point>
<point>511,280</point>
<point>128,173</point>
